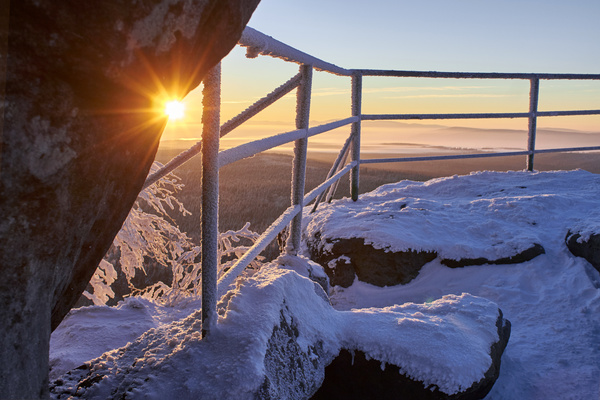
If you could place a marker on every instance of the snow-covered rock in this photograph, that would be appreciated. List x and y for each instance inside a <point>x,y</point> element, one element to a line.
<point>389,234</point>
<point>275,336</point>
<point>354,375</point>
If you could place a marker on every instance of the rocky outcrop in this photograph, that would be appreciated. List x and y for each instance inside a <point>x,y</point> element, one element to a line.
<point>353,375</point>
<point>277,334</point>
<point>588,248</point>
<point>528,254</point>
<point>346,259</point>
<point>82,121</point>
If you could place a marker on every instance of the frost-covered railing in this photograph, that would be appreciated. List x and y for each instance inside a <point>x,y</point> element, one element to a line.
<point>260,44</point>
<point>532,113</point>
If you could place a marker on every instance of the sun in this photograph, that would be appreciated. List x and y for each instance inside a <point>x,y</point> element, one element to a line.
<point>174,109</point>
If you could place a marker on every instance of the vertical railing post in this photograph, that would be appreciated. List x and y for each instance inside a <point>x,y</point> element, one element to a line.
<point>356,112</point>
<point>533,107</point>
<point>299,168</point>
<point>210,196</point>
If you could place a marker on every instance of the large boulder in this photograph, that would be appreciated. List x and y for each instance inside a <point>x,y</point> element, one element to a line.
<point>82,120</point>
<point>389,234</point>
<point>259,350</point>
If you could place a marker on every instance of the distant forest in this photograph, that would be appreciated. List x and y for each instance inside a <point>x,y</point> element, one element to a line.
<point>257,189</point>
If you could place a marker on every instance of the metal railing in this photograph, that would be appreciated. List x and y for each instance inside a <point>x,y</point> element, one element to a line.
<point>260,44</point>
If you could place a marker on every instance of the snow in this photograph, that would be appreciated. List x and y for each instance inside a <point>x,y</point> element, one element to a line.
<point>437,328</point>
<point>485,214</point>
<point>431,342</point>
<point>552,301</point>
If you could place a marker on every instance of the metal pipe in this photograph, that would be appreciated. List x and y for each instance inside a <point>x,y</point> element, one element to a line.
<point>210,197</point>
<point>437,158</point>
<point>533,106</point>
<point>277,226</point>
<point>263,241</point>
<point>472,75</point>
<point>480,155</point>
<point>310,196</point>
<point>333,188</point>
<point>299,167</point>
<point>259,43</point>
<point>567,149</point>
<point>316,130</point>
<point>261,104</point>
<point>334,168</point>
<point>376,117</point>
<point>250,149</point>
<point>356,112</point>
<point>566,113</point>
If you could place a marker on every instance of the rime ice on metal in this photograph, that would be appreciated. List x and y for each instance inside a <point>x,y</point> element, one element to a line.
<point>210,197</point>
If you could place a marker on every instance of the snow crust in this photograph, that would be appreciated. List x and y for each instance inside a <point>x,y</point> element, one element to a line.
<point>88,332</point>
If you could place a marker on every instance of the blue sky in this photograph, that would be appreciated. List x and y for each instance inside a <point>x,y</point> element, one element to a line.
<point>478,35</point>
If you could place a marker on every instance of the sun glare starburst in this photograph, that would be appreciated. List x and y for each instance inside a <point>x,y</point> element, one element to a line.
<point>174,109</point>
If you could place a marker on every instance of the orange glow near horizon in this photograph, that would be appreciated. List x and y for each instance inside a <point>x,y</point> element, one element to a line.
<point>245,81</point>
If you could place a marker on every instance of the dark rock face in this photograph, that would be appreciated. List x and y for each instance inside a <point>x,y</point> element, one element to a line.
<point>82,121</point>
<point>352,376</point>
<point>290,372</point>
<point>589,249</point>
<point>375,266</point>
<point>526,255</point>
<point>350,258</point>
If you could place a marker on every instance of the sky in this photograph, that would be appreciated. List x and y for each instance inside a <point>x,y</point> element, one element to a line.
<point>439,35</point>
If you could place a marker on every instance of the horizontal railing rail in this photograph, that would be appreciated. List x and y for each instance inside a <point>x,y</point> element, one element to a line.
<point>472,75</point>
<point>375,117</point>
<point>258,43</point>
